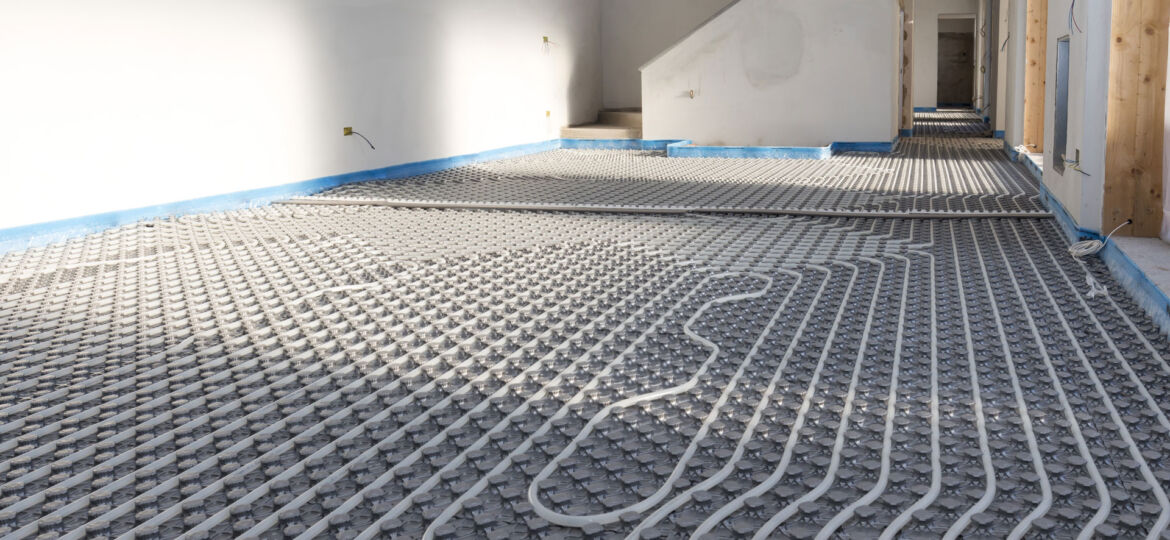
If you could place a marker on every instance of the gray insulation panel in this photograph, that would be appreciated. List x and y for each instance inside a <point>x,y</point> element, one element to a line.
<point>361,372</point>
<point>937,175</point>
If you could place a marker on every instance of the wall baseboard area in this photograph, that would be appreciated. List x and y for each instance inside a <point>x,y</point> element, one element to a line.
<point>1131,277</point>
<point>40,234</point>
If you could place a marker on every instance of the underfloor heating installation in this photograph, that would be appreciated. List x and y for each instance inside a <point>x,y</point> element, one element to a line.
<point>614,354</point>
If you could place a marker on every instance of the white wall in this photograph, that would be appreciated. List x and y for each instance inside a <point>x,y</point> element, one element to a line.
<point>1166,164</point>
<point>1081,194</point>
<point>635,31</point>
<point>128,103</point>
<point>982,27</point>
<point>1016,53</point>
<point>926,13</point>
<point>767,73</point>
<point>1001,65</point>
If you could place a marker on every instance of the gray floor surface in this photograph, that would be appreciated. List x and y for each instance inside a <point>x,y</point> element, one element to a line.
<point>361,371</point>
<point>924,174</point>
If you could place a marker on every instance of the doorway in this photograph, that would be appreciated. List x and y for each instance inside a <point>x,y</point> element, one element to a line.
<point>956,62</point>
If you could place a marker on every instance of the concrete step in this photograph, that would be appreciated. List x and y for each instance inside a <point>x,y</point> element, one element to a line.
<point>601,131</point>
<point>621,117</point>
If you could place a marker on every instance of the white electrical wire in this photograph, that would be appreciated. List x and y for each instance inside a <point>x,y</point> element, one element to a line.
<point>1095,288</point>
<point>1085,248</point>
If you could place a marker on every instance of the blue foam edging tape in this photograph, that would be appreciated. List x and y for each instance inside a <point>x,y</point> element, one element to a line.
<point>684,149</point>
<point>619,144</point>
<point>39,234</point>
<point>925,109</point>
<point>769,152</point>
<point>1033,168</point>
<point>1135,282</point>
<point>998,134</point>
<point>1012,154</point>
<point>1152,299</point>
<point>906,133</point>
<point>1072,231</point>
<point>884,147</point>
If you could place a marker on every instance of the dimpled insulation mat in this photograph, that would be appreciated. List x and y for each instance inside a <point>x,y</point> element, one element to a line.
<point>375,372</point>
<point>936,175</point>
<point>950,123</point>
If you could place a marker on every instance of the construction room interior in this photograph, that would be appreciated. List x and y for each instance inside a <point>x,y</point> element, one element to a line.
<point>584,269</point>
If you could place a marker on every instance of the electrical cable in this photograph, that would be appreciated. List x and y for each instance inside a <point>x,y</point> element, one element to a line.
<point>365,139</point>
<point>1085,248</point>
<point>1074,165</point>
<point>1095,288</point>
<point>1072,18</point>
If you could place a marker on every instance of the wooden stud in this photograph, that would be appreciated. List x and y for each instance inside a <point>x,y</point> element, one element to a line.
<point>1137,103</point>
<point>1035,71</point>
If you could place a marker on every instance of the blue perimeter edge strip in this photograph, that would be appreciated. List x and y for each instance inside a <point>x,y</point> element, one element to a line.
<point>1135,282</point>
<point>685,149</point>
<point>40,234</point>
<point>925,109</point>
<point>1016,155</point>
<point>1012,154</point>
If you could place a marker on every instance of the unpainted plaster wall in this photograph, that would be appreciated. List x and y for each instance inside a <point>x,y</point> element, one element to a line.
<point>1166,164</point>
<point>999,43</point>
<point>1081,193</point>
<point>1013,102</point>
<point>635,31</point>
<point>767,73</point>
<point>129,103</point>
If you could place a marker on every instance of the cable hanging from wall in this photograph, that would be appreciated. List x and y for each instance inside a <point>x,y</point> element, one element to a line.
<point>1074,165</point>
<point>349,131</point>
<point>1072,18</point>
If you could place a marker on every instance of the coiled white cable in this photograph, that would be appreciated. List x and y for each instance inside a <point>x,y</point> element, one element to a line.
<point>1085,248</point>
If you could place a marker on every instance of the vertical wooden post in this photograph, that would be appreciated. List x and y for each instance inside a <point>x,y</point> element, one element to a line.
<point>1137,103</point>
<point>1035,71</point>
<point>908,65</point>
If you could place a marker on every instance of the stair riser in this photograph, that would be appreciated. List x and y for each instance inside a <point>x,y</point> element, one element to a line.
<point>621,118</point>
<point>601,133</point>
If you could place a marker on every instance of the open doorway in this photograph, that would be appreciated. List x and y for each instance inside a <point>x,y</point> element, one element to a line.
<point>956,62</point>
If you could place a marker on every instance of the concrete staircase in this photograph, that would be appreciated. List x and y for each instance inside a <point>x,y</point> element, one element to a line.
<point>610,124</point>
